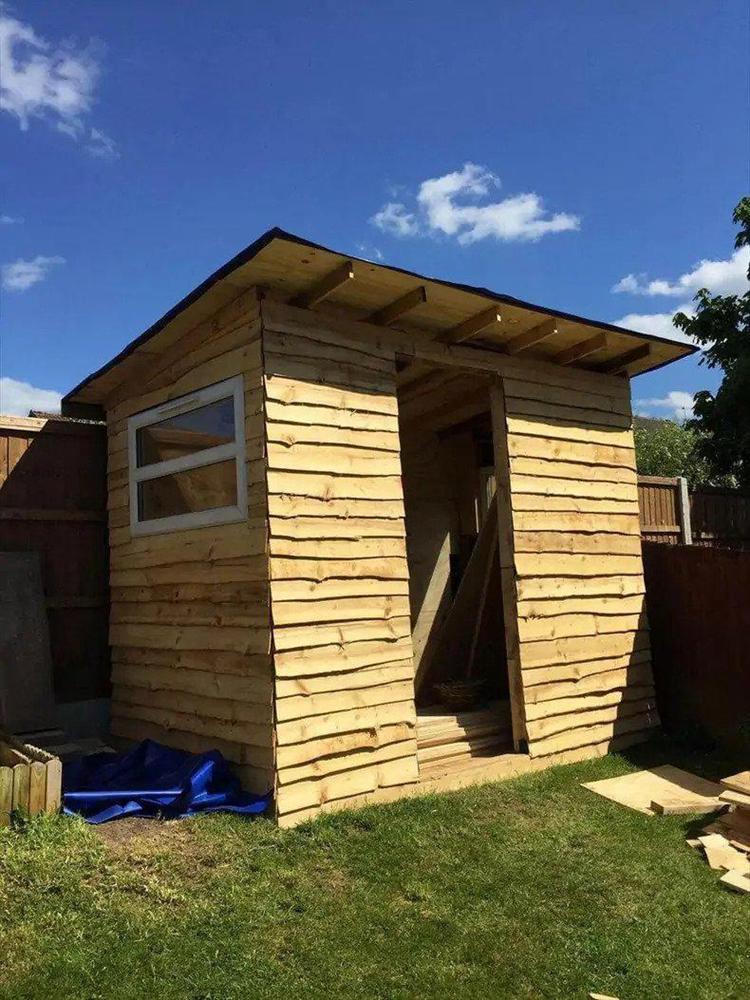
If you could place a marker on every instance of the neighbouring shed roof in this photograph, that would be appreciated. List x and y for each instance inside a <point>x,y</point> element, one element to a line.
<point>308,274</point>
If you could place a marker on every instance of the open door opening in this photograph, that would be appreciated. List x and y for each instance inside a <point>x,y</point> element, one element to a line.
<point>461,678</point>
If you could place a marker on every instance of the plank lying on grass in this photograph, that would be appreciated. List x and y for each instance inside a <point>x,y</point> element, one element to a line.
<point>673,806</point>
<point>639,789</point>
<point>738,883</point>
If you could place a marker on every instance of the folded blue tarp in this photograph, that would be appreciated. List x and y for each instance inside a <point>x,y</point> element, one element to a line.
<point>154,780</point>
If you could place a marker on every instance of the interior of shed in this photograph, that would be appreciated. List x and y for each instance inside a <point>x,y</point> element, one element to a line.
<point>461,679</point>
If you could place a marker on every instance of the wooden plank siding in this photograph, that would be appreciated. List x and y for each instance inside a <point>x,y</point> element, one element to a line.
<point>578,644</point>
<point>286,641</point>
<point>189,623</point>
<point>576,627</point>
<point>344,689</point>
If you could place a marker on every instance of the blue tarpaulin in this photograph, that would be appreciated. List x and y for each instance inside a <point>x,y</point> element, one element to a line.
<point>154,780</point>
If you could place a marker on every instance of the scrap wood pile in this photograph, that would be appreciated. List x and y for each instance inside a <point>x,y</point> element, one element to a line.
<point>726,841</point>
<point>670,791</point>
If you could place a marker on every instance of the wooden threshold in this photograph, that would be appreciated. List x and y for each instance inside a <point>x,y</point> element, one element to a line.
<point>448,741</point>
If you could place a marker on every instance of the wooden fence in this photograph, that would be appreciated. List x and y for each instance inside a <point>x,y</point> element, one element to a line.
<point>710,516</point>
<point>53,501</point>
<point>699,612</point>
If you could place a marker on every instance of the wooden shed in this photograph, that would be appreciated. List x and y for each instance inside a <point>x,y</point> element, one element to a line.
<point>335,486</point>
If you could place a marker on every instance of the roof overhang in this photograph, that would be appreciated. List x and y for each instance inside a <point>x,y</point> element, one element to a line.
<point>305,273</point>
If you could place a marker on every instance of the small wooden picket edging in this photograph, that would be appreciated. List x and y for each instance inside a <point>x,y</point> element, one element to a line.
<point>30,779</point>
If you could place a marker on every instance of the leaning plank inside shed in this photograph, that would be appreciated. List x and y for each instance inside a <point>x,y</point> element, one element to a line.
<point>338,494</point>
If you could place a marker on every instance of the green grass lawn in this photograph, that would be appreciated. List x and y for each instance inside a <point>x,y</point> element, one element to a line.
<point>531,888</point>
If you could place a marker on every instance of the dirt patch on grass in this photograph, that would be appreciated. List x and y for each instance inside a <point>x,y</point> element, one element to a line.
<point>140,837</point>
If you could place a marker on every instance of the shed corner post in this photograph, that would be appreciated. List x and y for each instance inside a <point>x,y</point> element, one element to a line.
<point>507,563</point>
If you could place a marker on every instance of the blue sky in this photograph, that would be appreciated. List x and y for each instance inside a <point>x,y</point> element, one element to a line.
<point>144,143</point>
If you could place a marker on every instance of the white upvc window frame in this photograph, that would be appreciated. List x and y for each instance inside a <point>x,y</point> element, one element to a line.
<point>231,387</point>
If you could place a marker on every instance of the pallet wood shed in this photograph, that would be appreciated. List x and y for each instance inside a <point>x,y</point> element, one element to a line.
<point>302,456</point>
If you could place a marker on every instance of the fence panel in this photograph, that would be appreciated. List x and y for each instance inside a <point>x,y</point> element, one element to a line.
<point>716,516</point>
<point>659,501</point>
<point>699,611</point>
<point>53,501</point>
<point>721,517</point>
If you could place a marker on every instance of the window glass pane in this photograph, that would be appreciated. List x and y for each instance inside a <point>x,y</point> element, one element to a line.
<point>185,433</point>
<point>205,488</point>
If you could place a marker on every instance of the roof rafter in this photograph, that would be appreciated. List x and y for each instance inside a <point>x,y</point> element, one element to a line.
<point>404,304</point>
<point>581,350</point>
<point>538,333</point>
<point>618,365</point>
<point>473,325</point>
<point>325,286</point>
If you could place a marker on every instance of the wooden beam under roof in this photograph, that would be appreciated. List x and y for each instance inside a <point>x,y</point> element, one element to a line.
<point>473,325</point>
<point>538,333</point>
<point>325,286</point>
<point>582,350</point>
<point>431,379</point>
<point>390,313</point>
<point>618,365</point>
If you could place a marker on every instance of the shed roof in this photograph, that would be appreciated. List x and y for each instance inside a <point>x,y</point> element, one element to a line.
<point>307,273</point>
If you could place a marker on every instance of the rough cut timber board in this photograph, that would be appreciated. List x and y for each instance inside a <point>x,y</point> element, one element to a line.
<point>639,789</point>
<point>738,782</point>
<point>356,383</point>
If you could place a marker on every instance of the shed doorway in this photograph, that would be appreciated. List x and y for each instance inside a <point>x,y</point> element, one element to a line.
<point>455,591</point>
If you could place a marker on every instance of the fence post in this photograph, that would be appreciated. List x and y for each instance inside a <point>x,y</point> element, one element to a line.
<point>683,503</point>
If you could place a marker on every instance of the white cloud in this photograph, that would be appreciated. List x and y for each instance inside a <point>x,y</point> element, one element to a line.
<point>10,220</point>
<point>446,205</point>
<point>52,84</point>
<point>20,275</point>
<point>721,277</point>
<point>20,397</point>
<point>394,218</point>
<point>676,404</point>
<point>657,324</point>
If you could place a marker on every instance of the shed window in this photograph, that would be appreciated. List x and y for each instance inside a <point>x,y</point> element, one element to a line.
<point>187,461</point>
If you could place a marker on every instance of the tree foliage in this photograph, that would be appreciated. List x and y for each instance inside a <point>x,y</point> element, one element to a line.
<point>666,448</point>
<point>721,325</point>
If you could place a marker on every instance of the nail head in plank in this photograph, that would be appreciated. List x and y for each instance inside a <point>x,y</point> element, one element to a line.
<point>582,350</point>
<point>390,313</point>
<point>473,325</point>
<point>326,286</point>
<point>538,333</point>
